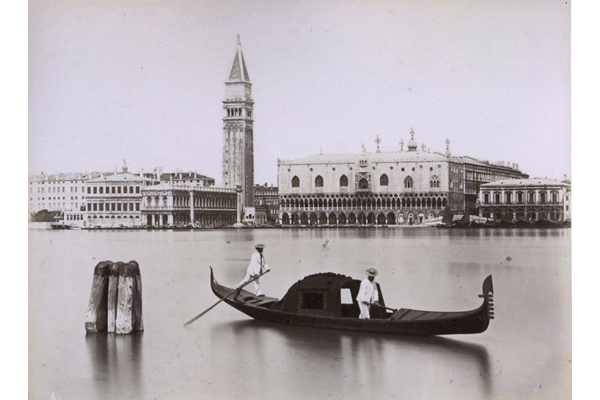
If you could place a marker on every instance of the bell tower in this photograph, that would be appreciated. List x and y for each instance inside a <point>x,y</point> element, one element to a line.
<point>238,142</point>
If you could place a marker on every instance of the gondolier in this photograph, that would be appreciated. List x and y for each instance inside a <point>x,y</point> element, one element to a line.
<point>368,294</point>
<point>256,267</point>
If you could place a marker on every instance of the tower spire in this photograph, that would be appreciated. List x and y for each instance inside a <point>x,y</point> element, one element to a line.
<point>239,73</point>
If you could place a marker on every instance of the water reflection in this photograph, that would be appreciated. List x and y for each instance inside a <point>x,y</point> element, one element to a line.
<point>355,355</point>
<point>116,362</point>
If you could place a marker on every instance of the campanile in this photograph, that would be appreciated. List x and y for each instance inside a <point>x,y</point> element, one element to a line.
<point>238,142</point>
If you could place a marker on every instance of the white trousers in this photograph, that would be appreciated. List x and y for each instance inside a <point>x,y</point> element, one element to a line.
<point>364,310</point>
<point>256,284</point>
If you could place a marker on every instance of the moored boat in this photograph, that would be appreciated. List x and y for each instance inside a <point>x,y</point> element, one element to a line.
<point>62,226</point>
<point>447,218</point>
<point>328,300</point>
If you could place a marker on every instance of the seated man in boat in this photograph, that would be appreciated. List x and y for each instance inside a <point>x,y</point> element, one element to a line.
<point>368,294</point>
<point>256,267</point>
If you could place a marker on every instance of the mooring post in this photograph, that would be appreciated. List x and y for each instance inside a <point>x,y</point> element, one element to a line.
<point>125,311</point>
<point>95,320</point>
<point>125,308</point>
<point>138,322</point>
<point>113,298</point>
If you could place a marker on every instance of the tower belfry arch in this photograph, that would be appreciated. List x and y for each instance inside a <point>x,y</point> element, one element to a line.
<point>238,133</point>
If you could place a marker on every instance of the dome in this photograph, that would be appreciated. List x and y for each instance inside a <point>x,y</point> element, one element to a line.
<point>412,145</point>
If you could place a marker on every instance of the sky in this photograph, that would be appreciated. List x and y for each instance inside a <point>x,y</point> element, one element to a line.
<point>144,81</point>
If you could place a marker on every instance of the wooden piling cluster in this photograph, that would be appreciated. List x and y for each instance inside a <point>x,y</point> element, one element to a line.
<point>116,298</point>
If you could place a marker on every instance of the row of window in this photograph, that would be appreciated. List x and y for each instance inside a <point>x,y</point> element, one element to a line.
<point>237,112</point>
<point>508,198</point>
<point>434,182</point>
<point>427,202</point>
<point>112,189</point>
<point>113,206</point>
<point>54,182</point>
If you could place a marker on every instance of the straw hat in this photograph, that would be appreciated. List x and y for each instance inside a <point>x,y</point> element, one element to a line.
<point>372,272</point>
<point>259,246</point>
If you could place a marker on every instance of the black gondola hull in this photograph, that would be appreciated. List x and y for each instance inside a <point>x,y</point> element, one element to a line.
<point>402,322</point>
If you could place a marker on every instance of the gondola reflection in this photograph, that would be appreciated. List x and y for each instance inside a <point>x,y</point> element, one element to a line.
<point>356,355</point>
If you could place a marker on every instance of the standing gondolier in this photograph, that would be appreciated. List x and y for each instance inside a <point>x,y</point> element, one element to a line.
<point>368,294</point>
<point>256,267</point>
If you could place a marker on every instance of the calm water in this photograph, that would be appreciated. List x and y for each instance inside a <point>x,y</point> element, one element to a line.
<point>525,353</point>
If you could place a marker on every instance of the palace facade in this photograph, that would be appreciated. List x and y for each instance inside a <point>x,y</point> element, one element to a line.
<point>526,200</point>
<point>380,188</point>
<point>383,188</point>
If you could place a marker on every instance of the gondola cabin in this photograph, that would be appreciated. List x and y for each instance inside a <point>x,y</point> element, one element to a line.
<point>325,294</point>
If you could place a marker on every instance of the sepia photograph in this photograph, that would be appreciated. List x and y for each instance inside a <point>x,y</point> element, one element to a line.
<point>299,199</point>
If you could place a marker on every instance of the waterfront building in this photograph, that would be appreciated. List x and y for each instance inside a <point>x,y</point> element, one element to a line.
<point>380,188</point>
<point>525,199</point>
<point>115,200</point>
<point>479,172</point>
<point>238,142</point>
<point>266,204</point>
<point>180,204</point>
<point>58,192</point>
<point>568,196</point>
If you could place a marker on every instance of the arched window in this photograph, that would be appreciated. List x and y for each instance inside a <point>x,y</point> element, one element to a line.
<point>319,181</point>
<point>408,182</point>
<point>434,182</point>
<point>295,182</point>
<point>344,181</point>
<point>363,184</point>
<point>384,181</point>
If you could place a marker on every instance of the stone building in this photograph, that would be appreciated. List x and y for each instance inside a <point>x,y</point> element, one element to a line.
<point>114,200</point>
<point>57,192</point>
<point>384,188</point>
<point>238,142</point>
<point>479,172</point>
<point>266,204</point>
<point>181,204</point>
<point>525,199</point>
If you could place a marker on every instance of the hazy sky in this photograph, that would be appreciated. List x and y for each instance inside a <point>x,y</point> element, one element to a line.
<point>143,81</point>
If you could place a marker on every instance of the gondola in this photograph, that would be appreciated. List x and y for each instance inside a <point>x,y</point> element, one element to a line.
<point>322,301</point>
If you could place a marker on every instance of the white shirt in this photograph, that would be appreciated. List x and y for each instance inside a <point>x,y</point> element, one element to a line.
<point>368,291</point>
<point>257,264</point>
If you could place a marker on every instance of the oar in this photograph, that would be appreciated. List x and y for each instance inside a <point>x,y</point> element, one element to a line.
<point>214,305</point>
<point>379,305</point>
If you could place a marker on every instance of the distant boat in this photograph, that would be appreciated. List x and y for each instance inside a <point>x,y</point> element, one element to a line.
<point>465,221</point>
<point>447,218</point>
<point>62,226</point>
